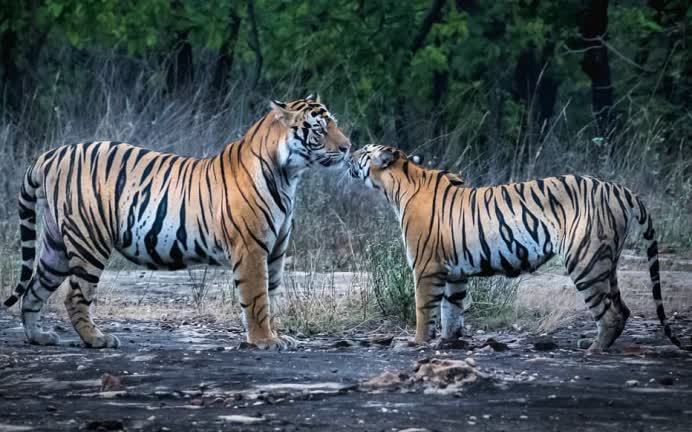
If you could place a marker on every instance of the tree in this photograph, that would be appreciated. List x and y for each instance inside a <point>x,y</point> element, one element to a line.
<point>593,27</point>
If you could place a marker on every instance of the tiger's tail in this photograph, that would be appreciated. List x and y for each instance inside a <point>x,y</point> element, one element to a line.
<point>27,233</point>
<point>644,218</point>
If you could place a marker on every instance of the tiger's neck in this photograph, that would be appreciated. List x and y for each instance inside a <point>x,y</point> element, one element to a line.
<point>406,188</point>
<point>260,161</point>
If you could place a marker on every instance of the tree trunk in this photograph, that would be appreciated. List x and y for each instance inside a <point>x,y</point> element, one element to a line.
<point>11,83</point>
<point>535,88</point>
<point>593,26</point>
<point>224,63</point>
<point>434,15</point>
<point>254,42</point>
<point>180,68</point>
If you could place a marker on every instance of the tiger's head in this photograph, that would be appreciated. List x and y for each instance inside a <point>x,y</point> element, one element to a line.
<point>372,161</point>
<point>375,163</point>
<point>313,136</point>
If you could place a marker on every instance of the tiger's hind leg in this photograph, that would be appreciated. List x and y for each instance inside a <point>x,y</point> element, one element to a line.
<point>50,273</point>
<point>604,304</point>
<point>452,308</point>
<point>618,304</point>
<point>82,282</point>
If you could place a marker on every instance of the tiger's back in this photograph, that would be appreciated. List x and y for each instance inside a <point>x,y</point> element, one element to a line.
<point>152,207</point>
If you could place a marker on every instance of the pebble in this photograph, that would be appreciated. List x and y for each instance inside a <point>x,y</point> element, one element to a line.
<point>544,343</point>
<point>665,380</point>
<point>81,367</point>
<point>632,383</point>
<point>471,362</point>
<point>584,343</point>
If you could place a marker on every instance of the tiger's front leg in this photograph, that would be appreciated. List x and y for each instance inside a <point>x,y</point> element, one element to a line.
<point>251,279</point>
<point>429,295</point>
<point>276,271</point>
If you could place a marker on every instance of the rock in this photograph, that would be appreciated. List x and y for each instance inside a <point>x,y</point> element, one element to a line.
<point>105,425</point>
<point>632,383</point>
<point>345,343</point>
<point>584,343</point>
<point>544,343</point>
<point>382,341</point>
<point>403,345</point>
<point>242,419</point>
<point>197,402</point>
<point>414,430</point>
<point>471,362</point>
<point>110,383</point>
<point>665,380</point>
<point>387,379</point>
<point>453,344</point>
<point>495,345</point>
<point>246,346</point>
<point>81,367</point>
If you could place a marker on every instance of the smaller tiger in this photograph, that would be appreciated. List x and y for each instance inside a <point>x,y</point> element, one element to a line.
<point>452,233</point>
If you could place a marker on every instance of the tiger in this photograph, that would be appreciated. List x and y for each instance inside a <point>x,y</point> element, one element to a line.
<point>452,233</point>
<point>166,211</point>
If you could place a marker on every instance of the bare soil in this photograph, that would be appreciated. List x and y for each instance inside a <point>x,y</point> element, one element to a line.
<point>191,374</point>
<point>199,376</point>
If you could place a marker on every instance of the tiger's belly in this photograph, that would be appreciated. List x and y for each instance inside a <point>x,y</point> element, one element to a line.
<point>169,250</point>
<point>505,258</point>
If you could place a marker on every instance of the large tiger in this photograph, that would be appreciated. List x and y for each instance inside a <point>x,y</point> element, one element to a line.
<point>452,232</point>
<point>168,212</point>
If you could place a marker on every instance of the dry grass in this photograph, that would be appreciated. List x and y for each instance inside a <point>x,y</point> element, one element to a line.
<point>338,222</point>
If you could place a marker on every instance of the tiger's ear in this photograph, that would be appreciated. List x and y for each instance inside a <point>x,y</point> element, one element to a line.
<point>314,98</point>
<point>282,113</point>
<point>416,159</point>
<point>383,159</point>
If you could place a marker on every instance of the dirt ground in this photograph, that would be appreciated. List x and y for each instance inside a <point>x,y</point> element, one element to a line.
<point>197,374</point>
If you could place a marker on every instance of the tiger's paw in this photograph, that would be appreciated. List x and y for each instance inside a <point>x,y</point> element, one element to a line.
<point>279,343</point>
<point>103,341</point>
<point>44,338</point>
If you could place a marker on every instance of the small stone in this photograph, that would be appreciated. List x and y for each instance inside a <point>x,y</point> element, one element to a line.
<point>496,345</point>
<point>471,362</point>
<point>453,344</point>
<point>81,367</point>
<point>246,346</point>
<point>632,383</point>
<point>665,380</point>
<point>584,343</point>
<point>343,344</point>
<point>242,419</point>
<point>544,343</point>
<point>197,402</point>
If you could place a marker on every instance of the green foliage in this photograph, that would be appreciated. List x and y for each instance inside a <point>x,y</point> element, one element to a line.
<point>391,279</point>
<point>380,58</point>
<point>492,303</point>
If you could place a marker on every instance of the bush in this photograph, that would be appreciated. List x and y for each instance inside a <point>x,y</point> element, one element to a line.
<point>391,279</point>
